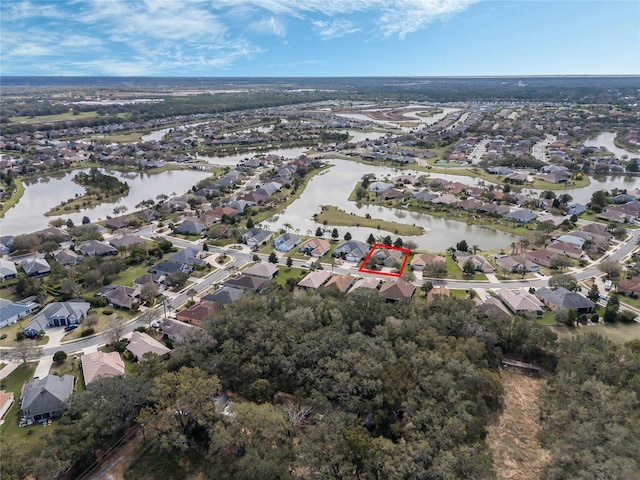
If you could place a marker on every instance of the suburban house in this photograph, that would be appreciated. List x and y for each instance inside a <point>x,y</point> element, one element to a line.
<point>95,248</point>
<point>480,264</point>
<point>576,209</point>
<point>191,226</point>
<point>516,264</point>
<point>630,286</point>
<point>352,250</point>
<point>47,397</point>
<point>158,280</point>
<point>7,270</point>
<point>119,295</point>
<point>60,314</point>
<point>141,343</point>
<point>167,267</point>
<point>67,257</point>
<point>188,256</point>
<point>341,283</point>
<point>176,330</point>
<point>254,237</point>
<point>224,295</point>
<point>542,257</point>
<point>248,283</point>
<point>523,215</point>
<point>36,267</point>
<point>6,400</point>
<point>563,298</point>
<point>521,302</point>
<point>12,312</point>
<point>420,260</point>
<point>196,313</point>
<point>262,270</point>
<point>397,289</point>
<point>101,364</point>
<point>368,283</point>
<point>566,248</point>
<point>315,247</point>
<point>286,242</point>
<point>127,241</point>
<point>492,307</point>
<point>314,279</point>
<point>388,257</point>
<point>435,292</point>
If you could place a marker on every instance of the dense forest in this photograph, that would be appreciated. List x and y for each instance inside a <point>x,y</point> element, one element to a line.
<point>327,385</point>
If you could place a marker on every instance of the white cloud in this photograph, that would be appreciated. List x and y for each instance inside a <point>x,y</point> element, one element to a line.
<point>16,11</point>
<point>334,28</point>
<point>270,25</point>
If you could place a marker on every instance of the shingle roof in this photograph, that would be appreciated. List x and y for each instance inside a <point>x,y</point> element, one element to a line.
<point>101,364</point>
<point>141,343</point>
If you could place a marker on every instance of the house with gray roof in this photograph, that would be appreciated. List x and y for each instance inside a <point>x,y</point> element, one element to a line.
<point>521,302</point>
<point>95,248</point>
<point>47,397</point>
<point>224,295</point>
<point>352,250</point>
<point>190,256</point>
<point>60,314</point>
<point>256,236</point>
<point>176,330</point>
<point>7,270</point>
<point>523,215</point>
<point>167,267</point>
<point>191,226</point>
<point>563,298</point>
<point>14,311</point>
<point>248,283</point>
<point>67,257</point>
<point>36,267</point>
<point>262,270</point>
<point>141,343</point>
<point>286,242</point>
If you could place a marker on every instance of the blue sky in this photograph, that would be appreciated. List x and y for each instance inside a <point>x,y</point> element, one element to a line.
<point>319,37</point>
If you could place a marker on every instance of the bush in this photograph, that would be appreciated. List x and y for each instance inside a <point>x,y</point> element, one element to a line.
<point>120,346</point>
<point>128,356</point>
<point>3,336</point>
<point>595,318</point>
<point>87,331</point>
<point>107,311</point>
<point>141,329</point>
<point>19,336</point>
<point>59,356</point>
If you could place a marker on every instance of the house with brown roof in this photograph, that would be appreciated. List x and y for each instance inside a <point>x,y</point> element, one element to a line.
<point>516,264</point>
<point>314,279</point>
<point>101,364</point>
<point>566,248</point>
<point>542,257</point>
<point>397,289</point>
<point>196,313</point>
<point>340,282</point>
<point>420,260</point>
<point>439,291</point>
<point>630,286</point>
<point>141,343</point>
<point>520,301</point>
<point>262,270</point>
<point>315,247</point>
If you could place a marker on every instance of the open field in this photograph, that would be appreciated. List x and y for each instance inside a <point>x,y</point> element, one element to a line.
<point>618,332</point>
<point>513,432</point>
<point>59,117</point>
<point>331,215</point>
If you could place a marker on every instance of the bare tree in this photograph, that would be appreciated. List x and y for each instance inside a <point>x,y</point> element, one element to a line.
<point>24,351</point>
<point>116,329</point>
<point>296,413</point>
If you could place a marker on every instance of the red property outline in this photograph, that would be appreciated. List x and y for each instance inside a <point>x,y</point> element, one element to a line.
<point>406,252</point>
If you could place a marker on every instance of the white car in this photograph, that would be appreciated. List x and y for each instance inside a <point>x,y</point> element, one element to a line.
<point>155,324</point>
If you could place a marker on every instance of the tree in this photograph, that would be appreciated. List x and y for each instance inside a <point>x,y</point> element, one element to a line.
<point>183,408</point>
<point>347,237</point>
<point>462,246</point>
<point>598,199</point>
<point>116,329</point>
<point>468,268</point>
<point>613,307</point>
<point>564,280</point>
<point>85,220</point>
<point>289,262</point>
<point>436,269</point>
<point>25,351</point>
<point>177,279</point>
<point>334,234</point>
<point>250,223</point>
<point>398,243</point>
<point>611,268</point>
<point>319,232</point>
<point>410,245</point>
<point>560,262</point>
<point>59,356</point>
<point>594,293</point>
<point>57,222</point>
<point>387,241</point>
<point>371,240</point>
<point>70,223</point>
<point>426,287</point>
<point>273,258</point>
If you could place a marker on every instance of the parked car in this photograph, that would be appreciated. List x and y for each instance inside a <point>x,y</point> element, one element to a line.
<point>70,328</point>
<point>30,333</point>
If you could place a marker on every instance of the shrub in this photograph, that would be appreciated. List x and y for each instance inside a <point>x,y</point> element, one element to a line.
<point>128,356</point>
<point>595,318</point>
<point>141,329</point>
<point>19,336</point>
<point>59,356</point>
<point>87,331</point>
<point>107,311</point>
<point>3,336</point>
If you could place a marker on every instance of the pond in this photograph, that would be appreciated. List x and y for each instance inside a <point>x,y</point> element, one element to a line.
<point>43,193</point>
<point>606,140</point>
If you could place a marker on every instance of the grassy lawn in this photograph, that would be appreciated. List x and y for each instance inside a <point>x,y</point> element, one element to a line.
<point>618,332</point>
<point>127,276</point>
<point>17,195</point>
<point>455,273</point>
<point>285,272</point>
<point>458,294</point>
<point>59,117</point>
<point>331,215</point>
<point>11,331</point>
<point>70,366</point>
<point>103,321</point>
<point>548,318</point>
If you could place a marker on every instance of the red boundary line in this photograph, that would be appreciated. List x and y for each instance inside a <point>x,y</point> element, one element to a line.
<point>377,246</point>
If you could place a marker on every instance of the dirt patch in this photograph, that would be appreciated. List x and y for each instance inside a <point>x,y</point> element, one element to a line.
<point>513,433</point>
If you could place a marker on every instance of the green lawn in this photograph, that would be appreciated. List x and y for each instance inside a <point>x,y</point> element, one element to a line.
<point>59,117</point>
<point>130,274</point>
<point>15,197</point>
<point>618,332</point>
<point>333,216</point>
<point>285,272</point>
<point>455,273</point>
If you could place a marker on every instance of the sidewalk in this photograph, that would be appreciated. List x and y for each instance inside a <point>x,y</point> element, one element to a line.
<point>8,368</point>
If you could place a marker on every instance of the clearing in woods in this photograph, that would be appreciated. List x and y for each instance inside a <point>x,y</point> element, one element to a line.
<point>513,432</point>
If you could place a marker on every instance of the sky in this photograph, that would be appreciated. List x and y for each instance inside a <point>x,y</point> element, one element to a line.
<point>280,38</point>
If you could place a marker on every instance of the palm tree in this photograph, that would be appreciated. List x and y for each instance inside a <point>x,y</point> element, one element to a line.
<point>288,226</point>
<point>475,249</point>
